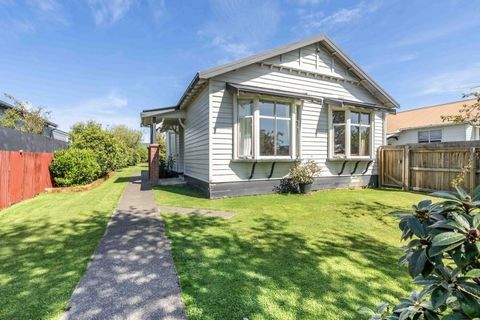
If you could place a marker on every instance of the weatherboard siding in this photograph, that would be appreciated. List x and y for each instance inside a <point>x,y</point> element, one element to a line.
<point>460,132</point>
<point>196,137</point>
<point>314,117</point>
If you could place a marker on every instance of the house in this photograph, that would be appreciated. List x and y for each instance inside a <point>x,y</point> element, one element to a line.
<point>240,126</point>
<point>424,125</point>
<point>51,129</point>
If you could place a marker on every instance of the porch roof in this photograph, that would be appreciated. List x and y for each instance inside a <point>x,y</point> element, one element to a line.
<point>150,116</point>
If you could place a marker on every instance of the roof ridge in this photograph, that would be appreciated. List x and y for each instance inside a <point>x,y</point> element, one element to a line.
<point>435,105</point>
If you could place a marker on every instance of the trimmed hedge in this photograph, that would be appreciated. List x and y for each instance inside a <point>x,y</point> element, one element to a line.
<point>73,166</point>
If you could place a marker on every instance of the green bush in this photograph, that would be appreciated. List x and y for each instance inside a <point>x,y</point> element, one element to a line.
<point>111,153</point>
<point>443,257</point>
<point>73,166</point>
<point>142,153</point>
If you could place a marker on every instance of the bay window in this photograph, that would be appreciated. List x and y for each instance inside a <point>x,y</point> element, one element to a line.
<point>245,128</point>
<point>275,121</point>
<point>265,128</point>
<point>350,133</point>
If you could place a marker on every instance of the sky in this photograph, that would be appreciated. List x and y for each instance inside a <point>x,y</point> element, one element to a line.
<point>106,60</point>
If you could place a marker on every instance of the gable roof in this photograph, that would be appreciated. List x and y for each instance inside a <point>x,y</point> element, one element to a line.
<point>365,80</point>
<point>425,116</point>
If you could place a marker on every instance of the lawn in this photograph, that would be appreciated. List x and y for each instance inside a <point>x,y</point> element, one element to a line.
<point>319,256</point>
<point>46,243</point>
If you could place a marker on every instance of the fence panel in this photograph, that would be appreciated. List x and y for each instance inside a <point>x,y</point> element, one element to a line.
<point>393,162</point>
<point>430,167</point>
<point>24,175</point>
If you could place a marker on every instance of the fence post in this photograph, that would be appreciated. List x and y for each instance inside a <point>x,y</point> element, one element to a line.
<point>380,166</point>
<point>406,168</point>
<point>473,168</point>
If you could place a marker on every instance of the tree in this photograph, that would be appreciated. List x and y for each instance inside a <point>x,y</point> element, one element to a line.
<point>111,152</point>
<point>24,117</point>
<point>443,257</point>
<point>131,138</point>
<point>467,113</point>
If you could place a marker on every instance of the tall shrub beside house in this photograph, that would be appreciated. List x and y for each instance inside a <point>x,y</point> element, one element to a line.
<point>74,166</point>
<point>443,257</point>
<point>111,153</point>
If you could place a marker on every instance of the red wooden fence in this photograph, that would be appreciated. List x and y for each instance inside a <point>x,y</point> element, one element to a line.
<point>23,175</point>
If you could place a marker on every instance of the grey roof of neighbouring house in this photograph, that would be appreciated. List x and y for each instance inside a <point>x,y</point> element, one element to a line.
<point>7,105</point>
<point>365,80</point>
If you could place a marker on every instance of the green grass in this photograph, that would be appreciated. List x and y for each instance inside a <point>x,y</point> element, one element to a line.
<point>46,243</point>
<point>319,256</point>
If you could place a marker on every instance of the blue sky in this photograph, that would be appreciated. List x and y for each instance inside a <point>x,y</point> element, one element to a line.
<point>108,59</point>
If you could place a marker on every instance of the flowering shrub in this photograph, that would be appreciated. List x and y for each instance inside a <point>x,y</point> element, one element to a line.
<point>304,173</point>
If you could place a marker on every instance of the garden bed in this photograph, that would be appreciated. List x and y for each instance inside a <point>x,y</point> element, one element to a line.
<point>85,187</point>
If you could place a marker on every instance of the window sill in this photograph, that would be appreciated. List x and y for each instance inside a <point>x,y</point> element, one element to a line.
<point>350,159</point>
<point>265,160</point>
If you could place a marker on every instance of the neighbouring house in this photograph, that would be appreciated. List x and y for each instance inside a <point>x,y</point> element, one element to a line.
<point>425,125</point>
<point>51,129</point>
<point>239,127</point>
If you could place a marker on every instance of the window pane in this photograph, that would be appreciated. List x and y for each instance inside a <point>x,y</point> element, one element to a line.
<point>245,108</point>
<point>283,137</point>
<point>245,137</point>
<point>266,108</point>
<point>422,136</point>
<point>365,118</point>
<point>436,136</point>
<point>339,140</point>
<point>354,141</point>
<point>338,116</point>
<point>364,141</point>
<point>354,117</point>
<point>283,110</point>
<point>267,137</point>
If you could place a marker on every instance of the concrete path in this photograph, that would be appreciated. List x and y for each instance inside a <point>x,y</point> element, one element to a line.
<point>132,275</point>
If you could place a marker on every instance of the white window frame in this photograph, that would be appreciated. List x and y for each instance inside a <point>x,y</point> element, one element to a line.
<point>294,108</point>
<point>429,132</point>
<point>348,110</point>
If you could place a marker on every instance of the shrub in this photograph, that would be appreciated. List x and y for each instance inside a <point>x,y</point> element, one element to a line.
<point>111,153</point>
<point>73,166</point>
<point>304,173</point>
<point>142,153</point>
<point>286,186</point>
<point>443,256</point>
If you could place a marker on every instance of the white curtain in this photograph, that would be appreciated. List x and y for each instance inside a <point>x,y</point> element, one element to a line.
<point>245,137</point>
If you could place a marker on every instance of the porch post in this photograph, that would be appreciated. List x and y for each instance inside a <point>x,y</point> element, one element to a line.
<point>153,156</point>
<point>153,163</point>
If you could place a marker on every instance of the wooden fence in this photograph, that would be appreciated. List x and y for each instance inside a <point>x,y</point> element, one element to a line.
<point>23,175</point>
<point>430,167</point>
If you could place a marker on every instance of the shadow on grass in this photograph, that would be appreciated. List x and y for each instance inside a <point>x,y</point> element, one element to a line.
<point>269,272</point>
<point>185,191</point>
<point>39,272</point>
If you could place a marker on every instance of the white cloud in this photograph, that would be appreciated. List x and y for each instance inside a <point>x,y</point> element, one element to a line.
<point>439,31</point>
<point>107,12</point>
<point>238,27</point>
<point>385,60</point>
<point>49,10</point>
<point>18,19</point>
<point>109,109</point>
<point>157,8</point>
<point>456,81</point>
<point>317,20</point>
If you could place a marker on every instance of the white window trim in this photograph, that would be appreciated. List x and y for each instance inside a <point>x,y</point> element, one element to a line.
<point>429,131</point>
<point>294,131</point>
<point>347,110</point>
